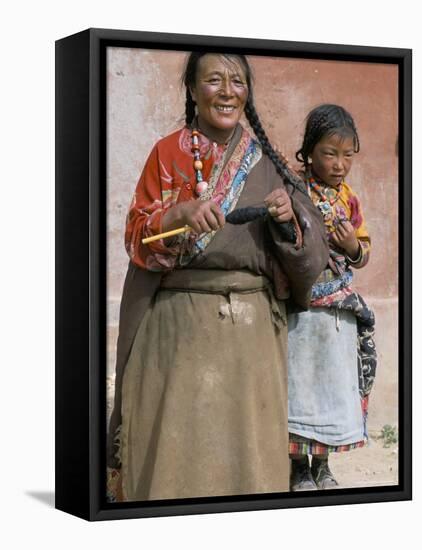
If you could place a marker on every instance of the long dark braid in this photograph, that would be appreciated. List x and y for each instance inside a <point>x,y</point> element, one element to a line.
<point>189,108</point>
<point>280,166</point>
<point>189,78</point>
<point>326,120</point>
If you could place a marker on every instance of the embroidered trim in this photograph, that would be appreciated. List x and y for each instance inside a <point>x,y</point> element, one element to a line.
<point>319,290</point>
<point>229,187</point>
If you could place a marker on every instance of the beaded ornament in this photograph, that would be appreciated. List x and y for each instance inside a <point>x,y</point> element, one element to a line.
<point>201,184</point>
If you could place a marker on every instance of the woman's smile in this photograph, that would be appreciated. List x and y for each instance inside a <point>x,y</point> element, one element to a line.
<point>225,108</point>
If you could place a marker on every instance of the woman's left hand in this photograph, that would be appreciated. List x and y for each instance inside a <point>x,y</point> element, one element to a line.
<point>344,237</point>
<point>279,205</point>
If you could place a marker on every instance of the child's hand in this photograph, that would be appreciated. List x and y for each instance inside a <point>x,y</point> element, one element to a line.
<point>344,237</point>
<point>279,205</point>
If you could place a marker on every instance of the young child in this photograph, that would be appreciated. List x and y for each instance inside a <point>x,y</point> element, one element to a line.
<point>330,377</point>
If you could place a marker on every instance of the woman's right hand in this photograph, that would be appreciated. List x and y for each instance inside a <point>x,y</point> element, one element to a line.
<point>201,216</point>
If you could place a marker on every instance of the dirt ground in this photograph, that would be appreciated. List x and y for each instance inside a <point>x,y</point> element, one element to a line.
<point>371,466</point>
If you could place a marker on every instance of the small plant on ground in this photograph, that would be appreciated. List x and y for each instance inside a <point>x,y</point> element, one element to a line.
<point>389,435</point>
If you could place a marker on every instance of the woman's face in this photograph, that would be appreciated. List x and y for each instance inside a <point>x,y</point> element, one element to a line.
<point>220,93</point>
<point>332,159</point>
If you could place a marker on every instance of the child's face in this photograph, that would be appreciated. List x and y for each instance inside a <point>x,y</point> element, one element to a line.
<point>332,159</point>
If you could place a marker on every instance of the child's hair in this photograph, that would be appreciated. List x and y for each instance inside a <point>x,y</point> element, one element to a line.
<point>326,120</point>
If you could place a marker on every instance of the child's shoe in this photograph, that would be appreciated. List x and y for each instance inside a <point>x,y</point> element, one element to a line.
<point>301,477</point>
<point>322,474</point>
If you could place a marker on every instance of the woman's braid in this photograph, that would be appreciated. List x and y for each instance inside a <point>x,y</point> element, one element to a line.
<point>280,166</point>
<point>189,108</point>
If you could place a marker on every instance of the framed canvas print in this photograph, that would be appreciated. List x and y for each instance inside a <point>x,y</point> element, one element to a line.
<point>233,274</point>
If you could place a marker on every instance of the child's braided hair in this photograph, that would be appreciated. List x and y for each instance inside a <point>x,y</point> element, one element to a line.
<point>189,80</point>
<point>326,120</point>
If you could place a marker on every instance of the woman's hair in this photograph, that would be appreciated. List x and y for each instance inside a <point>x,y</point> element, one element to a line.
<point>189,80</point>
<point>324,121</point>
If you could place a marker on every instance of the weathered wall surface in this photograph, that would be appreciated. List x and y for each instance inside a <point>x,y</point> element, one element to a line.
<point>146,102</point>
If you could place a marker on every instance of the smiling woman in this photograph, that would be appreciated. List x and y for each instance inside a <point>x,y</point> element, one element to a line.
<point>201,377</point>
<point>220,92</point>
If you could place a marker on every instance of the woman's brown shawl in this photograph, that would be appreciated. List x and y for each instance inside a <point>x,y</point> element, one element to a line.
<point>256,246</point>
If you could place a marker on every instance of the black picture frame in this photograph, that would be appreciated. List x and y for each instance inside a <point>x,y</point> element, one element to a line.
<point>81,260</point>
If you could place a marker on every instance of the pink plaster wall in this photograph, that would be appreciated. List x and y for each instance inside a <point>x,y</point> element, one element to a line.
<point>146,102</point>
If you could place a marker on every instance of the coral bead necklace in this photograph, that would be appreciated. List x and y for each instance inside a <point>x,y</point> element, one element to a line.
<point>328,196</point>
<point>203,188</point>
<point>201,185</point>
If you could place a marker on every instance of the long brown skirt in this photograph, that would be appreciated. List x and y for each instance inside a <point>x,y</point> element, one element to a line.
<point>205,397</point>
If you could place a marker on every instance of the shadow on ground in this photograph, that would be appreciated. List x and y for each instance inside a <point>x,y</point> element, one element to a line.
<point>46,497</point>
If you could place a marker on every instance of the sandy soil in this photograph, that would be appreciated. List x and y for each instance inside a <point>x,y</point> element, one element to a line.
<point>371,466</point>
